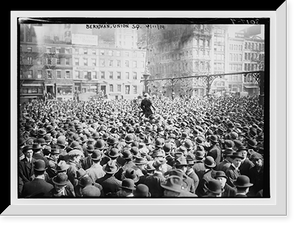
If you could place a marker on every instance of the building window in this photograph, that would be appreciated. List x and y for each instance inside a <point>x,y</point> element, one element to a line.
<point>118,53</point>
<point>110,53</point>
<point>134,65</point>
<point>111,76</point>
<point>118,63</point>
<point>102,52</point>
<point>58,74</point>
<point>127,89</point>
<point>93,62</point>
<point>85,51</point>
<point>68,74</point>
<point>94,52</point>
<point>85,61</point>
<point>119,87</point>
<point>111,88</point>
<point>118,75</point>
<point>77,61</point>
<point>126,63</point>
<point>127,75</point>
<point>102,63</point>
<point>48,61</point>
<point>110,63</point>
<point>102,75</point>
<point>85,75</point>
<point>67,61</point>
<point>134,75</point>
<point>127,54</point>
<point>76,51</point>
<point>39,74</point>
<point>48,50</point>
<point>29,74</point>
<point>77,74</point>
<point>49,74</point>
<point>134,89</point>
<point>94,75</point>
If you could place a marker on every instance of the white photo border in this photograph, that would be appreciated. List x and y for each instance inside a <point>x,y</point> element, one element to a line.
<point>276,205</point>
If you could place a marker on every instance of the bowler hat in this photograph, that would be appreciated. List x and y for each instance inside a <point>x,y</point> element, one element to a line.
<point>126,154</point>
<point>140,161</point>
<point>159,142</point>
<point>214,186</point>
<point>100,144</point>
<point>90,191</point>
<point>242,182</point>
<point>199,154</point>
<point>41,132</point>
<point>228,144</point>
<point>228,152</point>
<point>188,144</point>
<point>158,153</point>
<point>26,148</point>
<point>209,162</point>
<point>129,138</point>
<point>39,165</point>
<point>141,190</point>
<point>112,141</point>
<point>114,153</point>
<point>252,143</point>
<point>255,156</point>
<point>220,174</point>
<point>85,180</point>
<point>60,179</point>
<point>181,161</point>
<point>150,167</point>
<point>181,149</point>
<point>90,149</point>
<point>96,155</point>
<point>36,146</point>
<point>128,184</point>
<point>213,138</point>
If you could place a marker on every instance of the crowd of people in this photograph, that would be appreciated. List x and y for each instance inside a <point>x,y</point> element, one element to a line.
<point>208,147</point>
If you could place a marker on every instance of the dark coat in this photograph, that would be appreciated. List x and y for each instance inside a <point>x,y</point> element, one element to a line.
<point>110,184</point>
<point>228,191</point>
<point>216,153</point>
<point>26,170</point>
<point>232,174</point>
<point>37,188</point>
<point>204,178</point>
<point>154,184</point>
<point>245,167</point>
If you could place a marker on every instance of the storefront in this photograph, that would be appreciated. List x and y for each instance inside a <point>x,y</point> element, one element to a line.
<point>64,92</point>
<point>30,91</point>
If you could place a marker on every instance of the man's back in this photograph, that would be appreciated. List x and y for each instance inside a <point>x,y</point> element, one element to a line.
<point>36,188</point>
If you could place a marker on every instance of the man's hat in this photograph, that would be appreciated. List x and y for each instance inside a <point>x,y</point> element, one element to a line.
<point>181,161</point>
<point>214,186</point>
<point>62,166</point>
<point>39,165</point>
<point>190,158</point>
<point>181,149</point>
<point>131,174</point>
<point>173,183</point>
<point>159,142</point>
<point>220,174</point>
<point>199,154</point>
<point>129,138</point>
<point>255,156</point>
<point>128,184</point>
<point>188,144</point>
<point>150,167</point>
<point>126,154</point>
<point>80,173</point>
<point>141,190</point>
<point>36,147</point>
<point>110,167</point>
<point>54,149</point>
<point>242,182</point>
<point>252,143</point>
<point>228,144</point>
<point>167,147</point>
<point>90,148</point>
<point>158,153</point>
<point>96,155</point>
<point>61,141</point>
<point>114,153</point>
<point>41,132</point>
<point>26,148</point>
<point>100,144</point>
<point>228,152</point>
<point>237,155</point>
<point>209,162</point>
<point>112,141</point>
<point>60,179</point>
<point>140,161</point>
<point>213,138</point>
<point>90,191</point>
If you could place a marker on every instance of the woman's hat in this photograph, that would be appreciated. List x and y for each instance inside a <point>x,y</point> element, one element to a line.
<point>110,167</point>
<point>60,179</point>
<point>214,186</point>
<point>242,182</point>
<point>128,184</point>
<point>209,162</point>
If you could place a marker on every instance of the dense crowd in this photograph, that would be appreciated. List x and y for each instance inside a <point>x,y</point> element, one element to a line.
<point>209,147</point>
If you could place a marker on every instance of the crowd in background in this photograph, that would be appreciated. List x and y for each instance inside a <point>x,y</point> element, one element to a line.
<point>209,147</point>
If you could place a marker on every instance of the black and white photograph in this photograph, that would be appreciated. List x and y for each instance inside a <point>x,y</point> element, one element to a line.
<point>154,108</point>
<point>141,110</point>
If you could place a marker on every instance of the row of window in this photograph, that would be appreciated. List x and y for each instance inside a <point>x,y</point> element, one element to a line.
<point>235,57</point>
<point>89,75</point>
<point>254,46</point>
<point>235,47</point>
<point>235,67</point>
<point>86,51</point>
<point>251,67</point>
<point>253,56</point>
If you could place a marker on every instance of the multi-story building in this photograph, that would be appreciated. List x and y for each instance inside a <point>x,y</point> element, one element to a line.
<point>45,64</point>
<point>234,63</point>
<point>176,51</point>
